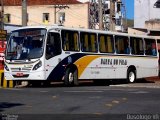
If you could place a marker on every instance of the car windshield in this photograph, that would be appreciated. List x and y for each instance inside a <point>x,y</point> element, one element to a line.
<point>25,44</point>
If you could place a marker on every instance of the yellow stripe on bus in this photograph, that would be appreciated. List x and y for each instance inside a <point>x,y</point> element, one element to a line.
<point>83,62</point>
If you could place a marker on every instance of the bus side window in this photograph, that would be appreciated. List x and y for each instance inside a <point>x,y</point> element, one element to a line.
<point>84,42</point>
<point>150,47</point>
<point>53,46</point>
<point>93,43</point>
<point>76,41</point>
<point>122,45</point>
<point>136,46</point>
<point>88,42</point>
<point>106,43</point>
<point>70,40</point>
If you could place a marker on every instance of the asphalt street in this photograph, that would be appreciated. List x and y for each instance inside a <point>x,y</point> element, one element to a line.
<point>84,101</point>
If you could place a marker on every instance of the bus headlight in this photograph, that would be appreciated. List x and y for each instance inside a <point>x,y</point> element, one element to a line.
<point>38,65</point>
<point>6,67</point>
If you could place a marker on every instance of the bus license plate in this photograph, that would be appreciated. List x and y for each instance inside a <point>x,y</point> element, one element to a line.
<point>19,74</point>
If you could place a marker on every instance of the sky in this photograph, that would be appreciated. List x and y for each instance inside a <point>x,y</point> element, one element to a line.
<point>129,8</point>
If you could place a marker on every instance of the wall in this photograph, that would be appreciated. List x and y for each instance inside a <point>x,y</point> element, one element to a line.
<point>144,10</point>
<point>137,31</point>
<point>75,16</point>
<point>152,25</point>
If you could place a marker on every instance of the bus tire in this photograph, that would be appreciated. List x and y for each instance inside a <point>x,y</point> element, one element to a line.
<point>71,77</point>
<point>131,76</point>
<point>75,77</point>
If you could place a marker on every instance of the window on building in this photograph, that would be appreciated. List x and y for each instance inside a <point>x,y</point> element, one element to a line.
<point>118,21</point>
<point>45,17</point>
<point>118,6</point>
<point>88,42</point>
<point>157,4</point>
<point>70,40</point>
<point>150,47</point>
<point>106,43</point>
<point>136,46</point>
<point>7,18</point>
<point>61,17</point>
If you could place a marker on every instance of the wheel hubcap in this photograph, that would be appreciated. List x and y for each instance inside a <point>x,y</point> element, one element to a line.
<point>70,77</point>
<point>131,76</point>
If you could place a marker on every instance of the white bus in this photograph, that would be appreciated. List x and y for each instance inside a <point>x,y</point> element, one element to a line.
<point>51,53</point>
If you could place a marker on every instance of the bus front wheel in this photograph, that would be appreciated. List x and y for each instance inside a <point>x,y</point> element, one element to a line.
<point>131,76</point>
<point>71,77</point>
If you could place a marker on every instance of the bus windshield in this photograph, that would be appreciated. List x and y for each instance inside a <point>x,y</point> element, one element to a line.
<point>25,44</point>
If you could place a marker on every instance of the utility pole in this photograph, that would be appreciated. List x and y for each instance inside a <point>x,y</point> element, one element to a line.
<point>24,12</point>
<point>100,15</point>
<point>55,11</point>
<point>112,15</point>
<point>2,16</point>
<point>125,19</point>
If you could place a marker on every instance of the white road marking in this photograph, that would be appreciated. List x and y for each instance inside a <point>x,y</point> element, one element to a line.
<point>115,101</point>
<point>54,97</point>
<point>140,92</point>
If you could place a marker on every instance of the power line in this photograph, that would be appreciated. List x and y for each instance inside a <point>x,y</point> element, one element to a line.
<point>74,14</point>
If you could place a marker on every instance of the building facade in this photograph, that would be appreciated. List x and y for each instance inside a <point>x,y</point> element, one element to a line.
<point>70,13</point>
<point>113,14</point>
<point>146,10</point>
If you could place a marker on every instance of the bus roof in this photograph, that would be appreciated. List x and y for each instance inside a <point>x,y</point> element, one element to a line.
<point>86,30</point>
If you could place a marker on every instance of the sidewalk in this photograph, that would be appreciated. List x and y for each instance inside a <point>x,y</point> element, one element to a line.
<point>153,79</point>
<point>145,83</point>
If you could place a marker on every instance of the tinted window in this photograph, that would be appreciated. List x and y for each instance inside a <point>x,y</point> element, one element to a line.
<point>150,47</point>
<point>88,42</point>
<point>122,45</point>
<point>26,44</point>
<point>70,40</point>
<point>136,46</point>
<point>106,43</point>
<point>53,47</point>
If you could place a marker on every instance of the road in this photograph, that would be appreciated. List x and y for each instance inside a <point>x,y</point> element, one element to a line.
<point>115,101</point>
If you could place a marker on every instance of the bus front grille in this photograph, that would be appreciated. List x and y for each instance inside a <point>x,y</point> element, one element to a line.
<point>21,69</point>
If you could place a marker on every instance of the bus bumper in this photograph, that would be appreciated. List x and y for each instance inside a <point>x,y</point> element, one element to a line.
<point>38,75</point>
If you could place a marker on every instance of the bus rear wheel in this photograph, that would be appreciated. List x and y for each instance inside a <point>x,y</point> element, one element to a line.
<point>71,77</point>
<point>131,76</point>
